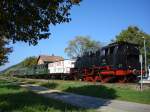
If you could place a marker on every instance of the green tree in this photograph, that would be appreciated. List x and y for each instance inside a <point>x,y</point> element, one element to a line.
<point>78,46</point>
<point>30,20</point>
<point>134,35</point>
<point>4,51</point>
<point>29,62</point>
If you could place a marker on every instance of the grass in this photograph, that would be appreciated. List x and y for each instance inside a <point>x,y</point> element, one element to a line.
<point>126,92</point>
<point>16,99</point>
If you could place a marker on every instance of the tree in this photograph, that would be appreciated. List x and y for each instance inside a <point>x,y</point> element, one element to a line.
<point>29,20</point>
<point>4,51</point>
<point>80,45</point>
<point>29,62</point>
<point>134,35</point>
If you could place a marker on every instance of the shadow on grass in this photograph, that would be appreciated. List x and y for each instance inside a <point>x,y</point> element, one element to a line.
<point>29,101</point>
<point>29,82</point>
<point>4,81</point>
<point>86,101</point>
<point>94,90</point>
<point>9,86</point>
<point>100,91</point>
<point>50,85</point>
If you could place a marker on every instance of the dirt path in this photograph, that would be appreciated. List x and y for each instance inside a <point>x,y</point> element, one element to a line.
<point>99,104</point>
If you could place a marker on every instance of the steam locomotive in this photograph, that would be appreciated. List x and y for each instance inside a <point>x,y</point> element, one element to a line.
<point>117,62</point>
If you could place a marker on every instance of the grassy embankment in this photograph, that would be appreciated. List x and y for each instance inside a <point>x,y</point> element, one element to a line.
<point>16,99</point>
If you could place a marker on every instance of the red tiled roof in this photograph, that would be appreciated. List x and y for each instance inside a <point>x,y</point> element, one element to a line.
<point>47,58</point>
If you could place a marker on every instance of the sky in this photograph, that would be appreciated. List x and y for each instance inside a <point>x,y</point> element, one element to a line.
<point>102,20</point>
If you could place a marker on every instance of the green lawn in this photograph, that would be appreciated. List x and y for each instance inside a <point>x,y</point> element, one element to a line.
<point>16,99</point>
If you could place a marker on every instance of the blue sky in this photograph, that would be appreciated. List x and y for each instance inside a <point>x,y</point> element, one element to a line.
<point>102,20</point>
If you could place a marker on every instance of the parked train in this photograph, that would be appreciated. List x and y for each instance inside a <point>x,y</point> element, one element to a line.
<point>116,62</point>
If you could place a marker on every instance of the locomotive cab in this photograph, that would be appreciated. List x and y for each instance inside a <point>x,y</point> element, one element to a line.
<point>121,56</point>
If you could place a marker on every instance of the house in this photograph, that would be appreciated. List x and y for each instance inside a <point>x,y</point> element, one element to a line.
<point>63,67</point>
<point>45,59</point>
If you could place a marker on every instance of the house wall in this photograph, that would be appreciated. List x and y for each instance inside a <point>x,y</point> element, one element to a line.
<point>40,62</point>
<point>61,66</point>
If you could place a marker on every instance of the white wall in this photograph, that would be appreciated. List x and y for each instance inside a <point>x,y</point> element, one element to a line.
<point>61,66</point>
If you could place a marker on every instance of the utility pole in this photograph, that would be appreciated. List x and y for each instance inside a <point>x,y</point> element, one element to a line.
<point>141,82</point>
<point>145,58</point>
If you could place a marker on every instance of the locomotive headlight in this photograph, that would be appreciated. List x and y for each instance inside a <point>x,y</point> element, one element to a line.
<point>129,67</point>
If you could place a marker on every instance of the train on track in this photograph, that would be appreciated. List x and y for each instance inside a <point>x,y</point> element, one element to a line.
<point>116,62</point>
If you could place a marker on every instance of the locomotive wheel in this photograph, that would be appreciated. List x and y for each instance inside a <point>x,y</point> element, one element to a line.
<point>89,79</point>
<point>106,79</point>
<point>97,79</point>
<point>122,79</point>
<point>84,79</point>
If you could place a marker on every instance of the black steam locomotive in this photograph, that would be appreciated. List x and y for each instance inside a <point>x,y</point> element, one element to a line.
<point>117,62</point>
